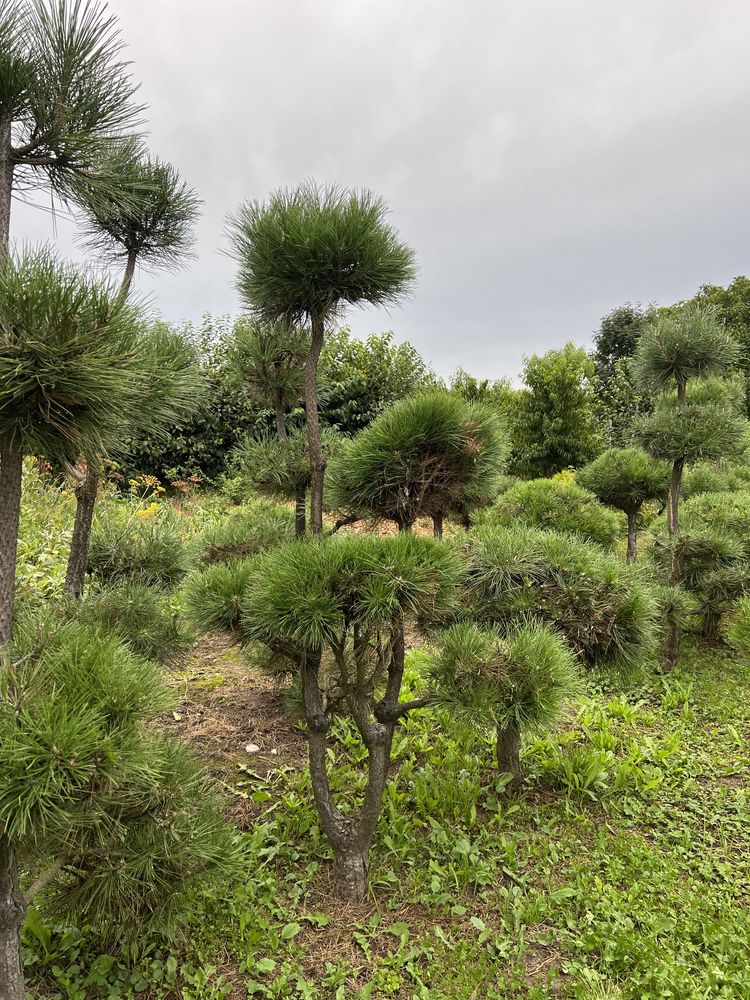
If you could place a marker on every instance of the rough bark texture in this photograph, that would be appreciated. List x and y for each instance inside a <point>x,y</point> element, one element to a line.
<point>509,753</point>
<point>317,462</point>
<point>673,503</point>
<point>300,514</point>
<point>11,466</point>
<point>280,418</point>
<point>127,277</point>
<point>671,651</point>
<point>78,557</point>
<point>12,912</point>
<point>6,184</point>
<point>632,536</point>
<point>437,525</point>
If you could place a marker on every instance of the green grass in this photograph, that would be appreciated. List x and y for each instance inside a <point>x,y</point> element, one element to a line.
<point>620,872</point>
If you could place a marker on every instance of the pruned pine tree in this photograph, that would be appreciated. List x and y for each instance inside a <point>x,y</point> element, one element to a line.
<point>303,256</point>
<point>146,220</point>
<point>337,611</point>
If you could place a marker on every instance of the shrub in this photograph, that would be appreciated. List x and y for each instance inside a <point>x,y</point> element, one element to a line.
<point>142,543</point>
<point>138,615</point>
<point>213,596</point>
<point>556,505</point>
<point>715,477</point>
<point>251,529</point>
<point>516,682</point>
<point>598,604</point>
<point>737,627</point>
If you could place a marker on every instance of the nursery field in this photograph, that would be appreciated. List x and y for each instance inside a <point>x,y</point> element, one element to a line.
<point>619,871</point>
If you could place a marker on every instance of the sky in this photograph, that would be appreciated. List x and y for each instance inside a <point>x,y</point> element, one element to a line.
<point>548,160</point>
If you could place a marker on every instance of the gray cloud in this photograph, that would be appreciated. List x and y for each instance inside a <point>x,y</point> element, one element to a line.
<point>547,159</point>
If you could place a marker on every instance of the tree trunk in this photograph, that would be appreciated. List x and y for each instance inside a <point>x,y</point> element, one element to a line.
<point>280,419</point>
<point>350,873</point>
<point>509,753</point>
<point>6,184</point>
<point>12,912</point>
<point>673,503</point>
<point>300,514</point>
<point>11,471</point>
<point>78,557</point>
<point>710,625</point>
<point>317,462</point>
<point>127,277</point>
<point>437,524</point>
<point>632,536</point>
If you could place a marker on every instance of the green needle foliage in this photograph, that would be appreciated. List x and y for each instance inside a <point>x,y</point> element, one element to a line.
<point>605,614</point>
<point>737,627</point>
<point>557,505</point>
<point>345,604</point>
<point>244,532</point>
<point>117,825</point>
<point>626,478</point>
<point>151,550</point>
<point>303,256</point>
<point>432,456</point>
<point>213,596</point>
<point>517,683</point>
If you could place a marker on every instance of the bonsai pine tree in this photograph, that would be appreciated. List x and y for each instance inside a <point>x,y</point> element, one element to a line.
<point>516,682</point>
<point>147,220</point>
<point>65,98</point>
<point>109,825</point>
<point>430,456</point>
<point>337,611</point>
<point>625,478</point>
<point>303,256</point>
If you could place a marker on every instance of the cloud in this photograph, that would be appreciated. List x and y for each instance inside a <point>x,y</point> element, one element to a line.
<point>548,160</point>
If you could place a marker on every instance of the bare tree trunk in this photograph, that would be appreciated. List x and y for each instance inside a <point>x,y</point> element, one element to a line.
<point>11,471</point>
<point>78,557</point>
<point>672,643</point>
<point>6,183</point>
<point>127,277</point>
<point>437,524</point>
<point>280,419</point>
<point>673,503</point>
<point>317,462</point>
<point>632,536</point>
<point>12,912</point>
<point>508,749</point>
<point>300,514</point>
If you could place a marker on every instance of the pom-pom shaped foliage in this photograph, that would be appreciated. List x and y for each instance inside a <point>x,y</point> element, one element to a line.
<point>245,532</point>
<point>270,358</point>
<point>138,615</point>
<point>557,505</point>
<point>737,627</point>
<point>149,548</point>
<point>431,455</point>
<point>676,347</point>
<point>213,596</point>
<point>70,365</point>
<point>594,600</point>
<point>126,821</point>
<point>516,682</point>
<point>280,467</point>
<point>306,251</point>
<point>715,477</point>
<point>349,599</point>
<point>625,478</point>
<point>697,431</point>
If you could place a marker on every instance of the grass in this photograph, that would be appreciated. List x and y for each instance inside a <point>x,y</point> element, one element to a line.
<point>620,872</point>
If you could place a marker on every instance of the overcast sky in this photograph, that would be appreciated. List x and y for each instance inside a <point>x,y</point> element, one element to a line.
<point>547,159</point>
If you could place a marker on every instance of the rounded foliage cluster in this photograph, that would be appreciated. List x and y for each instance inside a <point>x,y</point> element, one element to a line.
<point>737,627</point>
<point>698,431</point>
<point>557,505</point>
<point>625,478</point>
<point>281,467</point>
<point>244,532</point>
<point>715,477</point>
<point>213,596</point>
<point>270,358</point>
<point>148,548</point>
<point>594,600</point>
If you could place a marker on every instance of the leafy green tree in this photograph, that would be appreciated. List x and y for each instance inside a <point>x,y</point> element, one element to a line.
<point>337,611</point>
<point>733,310</point>
<point>65,98</point>
<point>626,478</point>
<point>517,683</point>
<point>303,256</point>
<point>617,337</point>
<point>432,456</point>
<point>110,824</point>
<point>554,424</point>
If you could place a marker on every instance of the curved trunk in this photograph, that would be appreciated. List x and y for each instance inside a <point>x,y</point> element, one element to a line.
<point>317,462</point>
<point>127,277</point>
<point>508,749</point>
<point>300,514</point>
<point>11,471</point>
<point>632,536</point>
<point>78,557</point>
<point>437,524</point>
<point>12,913</point>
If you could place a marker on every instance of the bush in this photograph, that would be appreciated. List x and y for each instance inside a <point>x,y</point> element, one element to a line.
<point>516,682</point>
<point>137,542</point>
<point>715,477</point>
<point>213,596</point>
<point>137,614</point>
<point>253,528</point>
<point>597,602</point>
<point>556,505</point>
<point>737,627</point>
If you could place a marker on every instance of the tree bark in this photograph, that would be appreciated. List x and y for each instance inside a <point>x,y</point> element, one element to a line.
<point>317,462</point>
<point>674,635</point>
<point>300,514</point>
<point>350,866</point>
<point>6,183</point>
<point>280,419</point>
<point>127,277</point>
<point>78,557</point>
<point>508,751</point>
<point>437,524</point>
<point>673,503</point>
<point>632,536</point>
<point>11,471</point>
<point>12,913</point>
